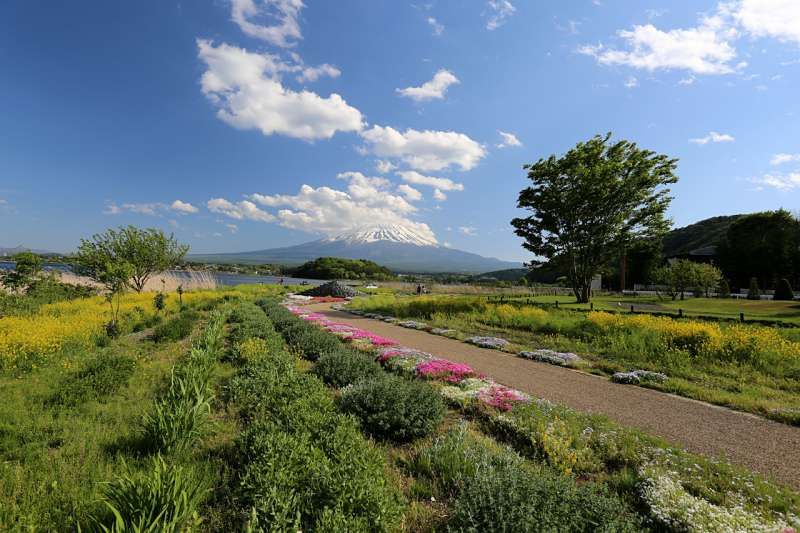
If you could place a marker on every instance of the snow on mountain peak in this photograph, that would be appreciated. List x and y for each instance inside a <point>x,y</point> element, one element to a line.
<point>388,232</point>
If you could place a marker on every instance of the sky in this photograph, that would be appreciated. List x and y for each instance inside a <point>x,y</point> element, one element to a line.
<point>251,124</point>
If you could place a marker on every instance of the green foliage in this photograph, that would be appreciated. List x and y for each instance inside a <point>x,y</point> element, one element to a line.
<point>304,466</point>
<point>159,301</point>
<point>346,367</point>
<point>145,251</point>
<point>394,408</point>
<point>176,328</point>
<point>784,290</point>
<point>27,268</point>
<point>590,202</point>
<point>99,378</point>
<point>762,245</point>
<point>724,290</point>
<point>754,293</point>
<point>707,232</point>
<point>339,268</point>
<point>165,500</point>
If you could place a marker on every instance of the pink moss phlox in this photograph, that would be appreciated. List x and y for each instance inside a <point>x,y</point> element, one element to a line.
<point>502,397</point>
<point>444,370</point>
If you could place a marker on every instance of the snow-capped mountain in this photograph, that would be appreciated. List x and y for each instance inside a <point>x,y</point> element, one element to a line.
<point>401,248</point>
<point>387,232</point>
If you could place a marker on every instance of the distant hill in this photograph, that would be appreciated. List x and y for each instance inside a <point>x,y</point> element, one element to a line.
<point>8,252</point>
<point>509,274</point>
<point>708,232</point>
<point>397,247</point>
<point>338,268</point>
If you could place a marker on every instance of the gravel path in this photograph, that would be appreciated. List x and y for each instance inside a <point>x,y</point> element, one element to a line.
<point>771,448</point>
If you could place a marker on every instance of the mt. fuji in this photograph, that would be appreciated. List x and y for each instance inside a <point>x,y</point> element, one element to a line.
<point>398,247</point>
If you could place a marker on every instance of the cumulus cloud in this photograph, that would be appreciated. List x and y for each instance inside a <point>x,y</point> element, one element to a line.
<point>713,137</point>
<point>233,228</point>
<point>499,12</point>
<point>509,140</point>
<point>315,73</point>
<point>242,210</point>
<point>283,14</point>
<point>780,159</point>
<point>770,18</point>
<point>431,90</point>
<point>368,201</point>
<point>439,196</point>
<point>183,207</point>
<point>384,166</point>
<point>425,150</point>
<point>436,26</point>
<point>631,82</point>
<point>246,89</point>
<point>782,182</point>
<point>444,184</point>
<point>411,194</point>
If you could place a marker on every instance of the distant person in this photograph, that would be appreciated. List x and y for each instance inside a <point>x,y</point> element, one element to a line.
<point>419,289</point>
<point>280,282</point>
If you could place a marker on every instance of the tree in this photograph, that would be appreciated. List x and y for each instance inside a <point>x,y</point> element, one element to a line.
<point>27,269</point>
<point>707,277</point>
<point>146,251</point>
<point>114,276</point>
<point>678,277</point>
<point>724,290</point>
<point>754,293</point>
<point>590,203</point>
<point>784,290</point>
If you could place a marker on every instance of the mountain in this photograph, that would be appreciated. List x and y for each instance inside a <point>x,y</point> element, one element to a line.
<point>8,252</point>
<point>401,248</point>
<point>702,234</point>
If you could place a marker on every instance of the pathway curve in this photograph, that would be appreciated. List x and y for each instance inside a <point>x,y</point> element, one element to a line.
<point>767,447</point>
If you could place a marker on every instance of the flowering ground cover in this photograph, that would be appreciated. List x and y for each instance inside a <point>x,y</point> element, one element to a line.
<point>743,366</point>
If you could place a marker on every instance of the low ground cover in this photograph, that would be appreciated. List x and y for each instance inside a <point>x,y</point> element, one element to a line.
<point>590,464</point>
<point>747,367</point>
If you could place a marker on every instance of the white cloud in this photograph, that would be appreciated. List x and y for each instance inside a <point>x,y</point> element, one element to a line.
<point>713,137</point>
<point>687,81</point>
<point>433,89</point>
<point>631,82</point>
<point>368,201</point>
<point>284,12</point>
<point>411,194</point>
<point>247,90</point>
<point>499,12</point>
<point>782,182</point>
<point>439,196</point>
<point>384,166</point>
<point>425,150</point>
<point>233,228</point>
<point>779,159</point>
<point>509,139</point>
<point>183,207</point>
<point>315,73</point>
<point>445,184</point>
<point>468,230</point>
<point>243,210</point>
<point>770,18</point>
<point>436,26</point>
<point>704,49</point>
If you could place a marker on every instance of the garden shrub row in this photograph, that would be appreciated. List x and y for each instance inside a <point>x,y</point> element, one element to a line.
<point>389,407</point>
<point>176,328</point>
<point>100,377</point>
<point>303,465</point>
<point>167,496</point>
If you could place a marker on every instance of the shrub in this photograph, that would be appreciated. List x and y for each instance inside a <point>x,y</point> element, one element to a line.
<point>724,290</point>
<point>511,496</point>
<point>166,499</point>
<point>784,290</point>
<point>394,408</point>
<point>345,367</point>
<point>100,377</point>
<point>176,328</point>
<point>754,293</point>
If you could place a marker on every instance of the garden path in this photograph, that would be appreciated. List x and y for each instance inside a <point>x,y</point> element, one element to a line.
<point>764,446</point>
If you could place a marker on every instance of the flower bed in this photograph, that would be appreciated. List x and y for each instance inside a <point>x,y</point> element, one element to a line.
<point>495,343</point>
<point>552,357</point>
<point>638,376</point>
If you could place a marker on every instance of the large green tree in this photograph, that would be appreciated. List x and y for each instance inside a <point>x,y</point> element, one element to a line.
<point>144,251</point>
<point>765,246</point>
<point>590,203</point>
<point>27,269</point>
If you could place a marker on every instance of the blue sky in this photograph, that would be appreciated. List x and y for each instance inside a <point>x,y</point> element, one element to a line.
<point>251,124</point>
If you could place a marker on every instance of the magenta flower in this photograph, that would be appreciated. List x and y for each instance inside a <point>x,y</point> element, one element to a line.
<point>444,370</point>
<point>502,397</point>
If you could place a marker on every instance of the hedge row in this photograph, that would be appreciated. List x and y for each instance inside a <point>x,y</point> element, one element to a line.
<point>388,406</point>
<point>304,466</point>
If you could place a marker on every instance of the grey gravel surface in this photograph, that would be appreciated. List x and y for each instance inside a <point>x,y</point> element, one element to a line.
<point>767,447</point>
